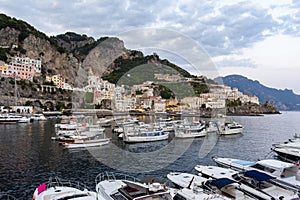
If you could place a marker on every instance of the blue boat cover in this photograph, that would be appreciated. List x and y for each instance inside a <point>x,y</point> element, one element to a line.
<point>260,176</point>
<point>221,182</point>
<point>243,162</point>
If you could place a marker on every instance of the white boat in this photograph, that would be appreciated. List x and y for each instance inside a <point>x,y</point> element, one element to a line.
<point>8,118</point>
<point>38,117</point>
<point>87,143</point>
<point>285,172</point>
<point>287,153</point>
<point>24,119</point>
<point>212,127</point>
<point>58,189</point>
<point>133,134</point>
<point>190,130</point>
<point>190,187</point>
<point>230,128</point>
<point>112,186</point>
<point>256,183</point>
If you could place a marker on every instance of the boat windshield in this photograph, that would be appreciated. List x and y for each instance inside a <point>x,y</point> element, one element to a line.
<point>263,168</point>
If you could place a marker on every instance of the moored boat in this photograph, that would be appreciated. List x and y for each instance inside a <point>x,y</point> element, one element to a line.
<point>190,130</point>
<point>231,128</point>
<point>258,184</point>
<point>38,117</point>
<point>134,134</point>
<point>190,187</point>
<point>116,186</point>
<point>9,118</point>
<point>87,143</point>
<point>285,172</point>
<point>59,189</point>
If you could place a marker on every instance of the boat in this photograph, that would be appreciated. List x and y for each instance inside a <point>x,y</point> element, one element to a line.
<point>212,127</point>
<point>9,119</point>
<point>38,117</point>
<point>287,153</point>
<point>231,128</point>
<point>86,143</point>
<point>190,187</point>
<point>190,130</point>
<point>286,173</point>
<point>133,134</point>
<point>112,186</point>
<point>59,189</point>
<point>256,183</point>
<point>24,119</point>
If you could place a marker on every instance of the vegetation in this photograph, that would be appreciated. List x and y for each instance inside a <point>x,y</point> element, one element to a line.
<point>200,87</point>
<point>3,54</point>
<point>84,50</point>
<point>89,97</point>
<point>141,69</point>
<point>233,103</point>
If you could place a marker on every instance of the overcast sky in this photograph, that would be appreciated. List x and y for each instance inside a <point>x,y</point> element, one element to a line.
<point>255,38</point>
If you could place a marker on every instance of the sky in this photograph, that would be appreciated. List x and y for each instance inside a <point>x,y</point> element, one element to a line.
<point>254,38</point>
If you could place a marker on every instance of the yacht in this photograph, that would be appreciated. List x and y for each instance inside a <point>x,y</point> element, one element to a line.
<point>285,172</point>
<point>256,183</point>
<point>190,186</point>
<point>124,187</point>
<point>80,143</point>
<point>287,153</point>
<point>58,189</point>
<point>231,128</point>
<point>190,130</point>
<point>38,117</point>
<point>9,118</point>
<point>143,133</point>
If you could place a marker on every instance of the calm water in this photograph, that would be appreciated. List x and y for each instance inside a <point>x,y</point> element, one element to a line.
<point>29,157</point>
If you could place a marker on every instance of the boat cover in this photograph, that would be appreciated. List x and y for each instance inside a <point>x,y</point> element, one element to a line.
<point>260,176</point>
<point>243,162</point>
<point>221,182</point>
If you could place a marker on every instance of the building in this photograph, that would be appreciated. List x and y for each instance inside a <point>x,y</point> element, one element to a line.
<point>58,80</point>
<point>22,67</point>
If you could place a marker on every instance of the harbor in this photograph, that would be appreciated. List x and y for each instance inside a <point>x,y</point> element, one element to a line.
<point>36,157</point>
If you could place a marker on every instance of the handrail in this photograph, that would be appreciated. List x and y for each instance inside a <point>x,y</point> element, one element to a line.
<point>111,176</point>
<point>59,182</point>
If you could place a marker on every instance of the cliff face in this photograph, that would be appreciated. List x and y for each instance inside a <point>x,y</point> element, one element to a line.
<point>253,109</point>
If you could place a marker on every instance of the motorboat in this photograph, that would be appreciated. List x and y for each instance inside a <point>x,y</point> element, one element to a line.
<point>256,183</point>
<point>86,143</point>
<point>9,118</point>
<point>231,128</point>
<point>145,133</point>
<point>287,153</point>
<point>284,171</point>
<point>24,119</point>
<point>112,186</point>
<point>190,186</point>
<point>212,127</point>
<point>58,189</point>
<point>190,130</point>
<point>38,117</point>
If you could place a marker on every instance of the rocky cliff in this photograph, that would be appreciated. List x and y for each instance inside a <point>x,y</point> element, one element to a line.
<point>253,109</point>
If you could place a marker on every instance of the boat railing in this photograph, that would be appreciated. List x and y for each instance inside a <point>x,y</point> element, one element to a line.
<point>59,182</point>
<point>4,196</point>
<point>111,176</point>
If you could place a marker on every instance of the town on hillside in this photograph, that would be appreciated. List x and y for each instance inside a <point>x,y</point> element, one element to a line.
<point>141,97</point>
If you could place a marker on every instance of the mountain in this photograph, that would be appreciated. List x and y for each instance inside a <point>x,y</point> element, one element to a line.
<point>283,99</point>
<point>72,55</point>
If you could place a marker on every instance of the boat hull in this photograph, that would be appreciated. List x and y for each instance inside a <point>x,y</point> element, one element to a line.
<point>136,139</point>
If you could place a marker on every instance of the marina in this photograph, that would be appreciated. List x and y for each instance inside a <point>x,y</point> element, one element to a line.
<point>38,157</point>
